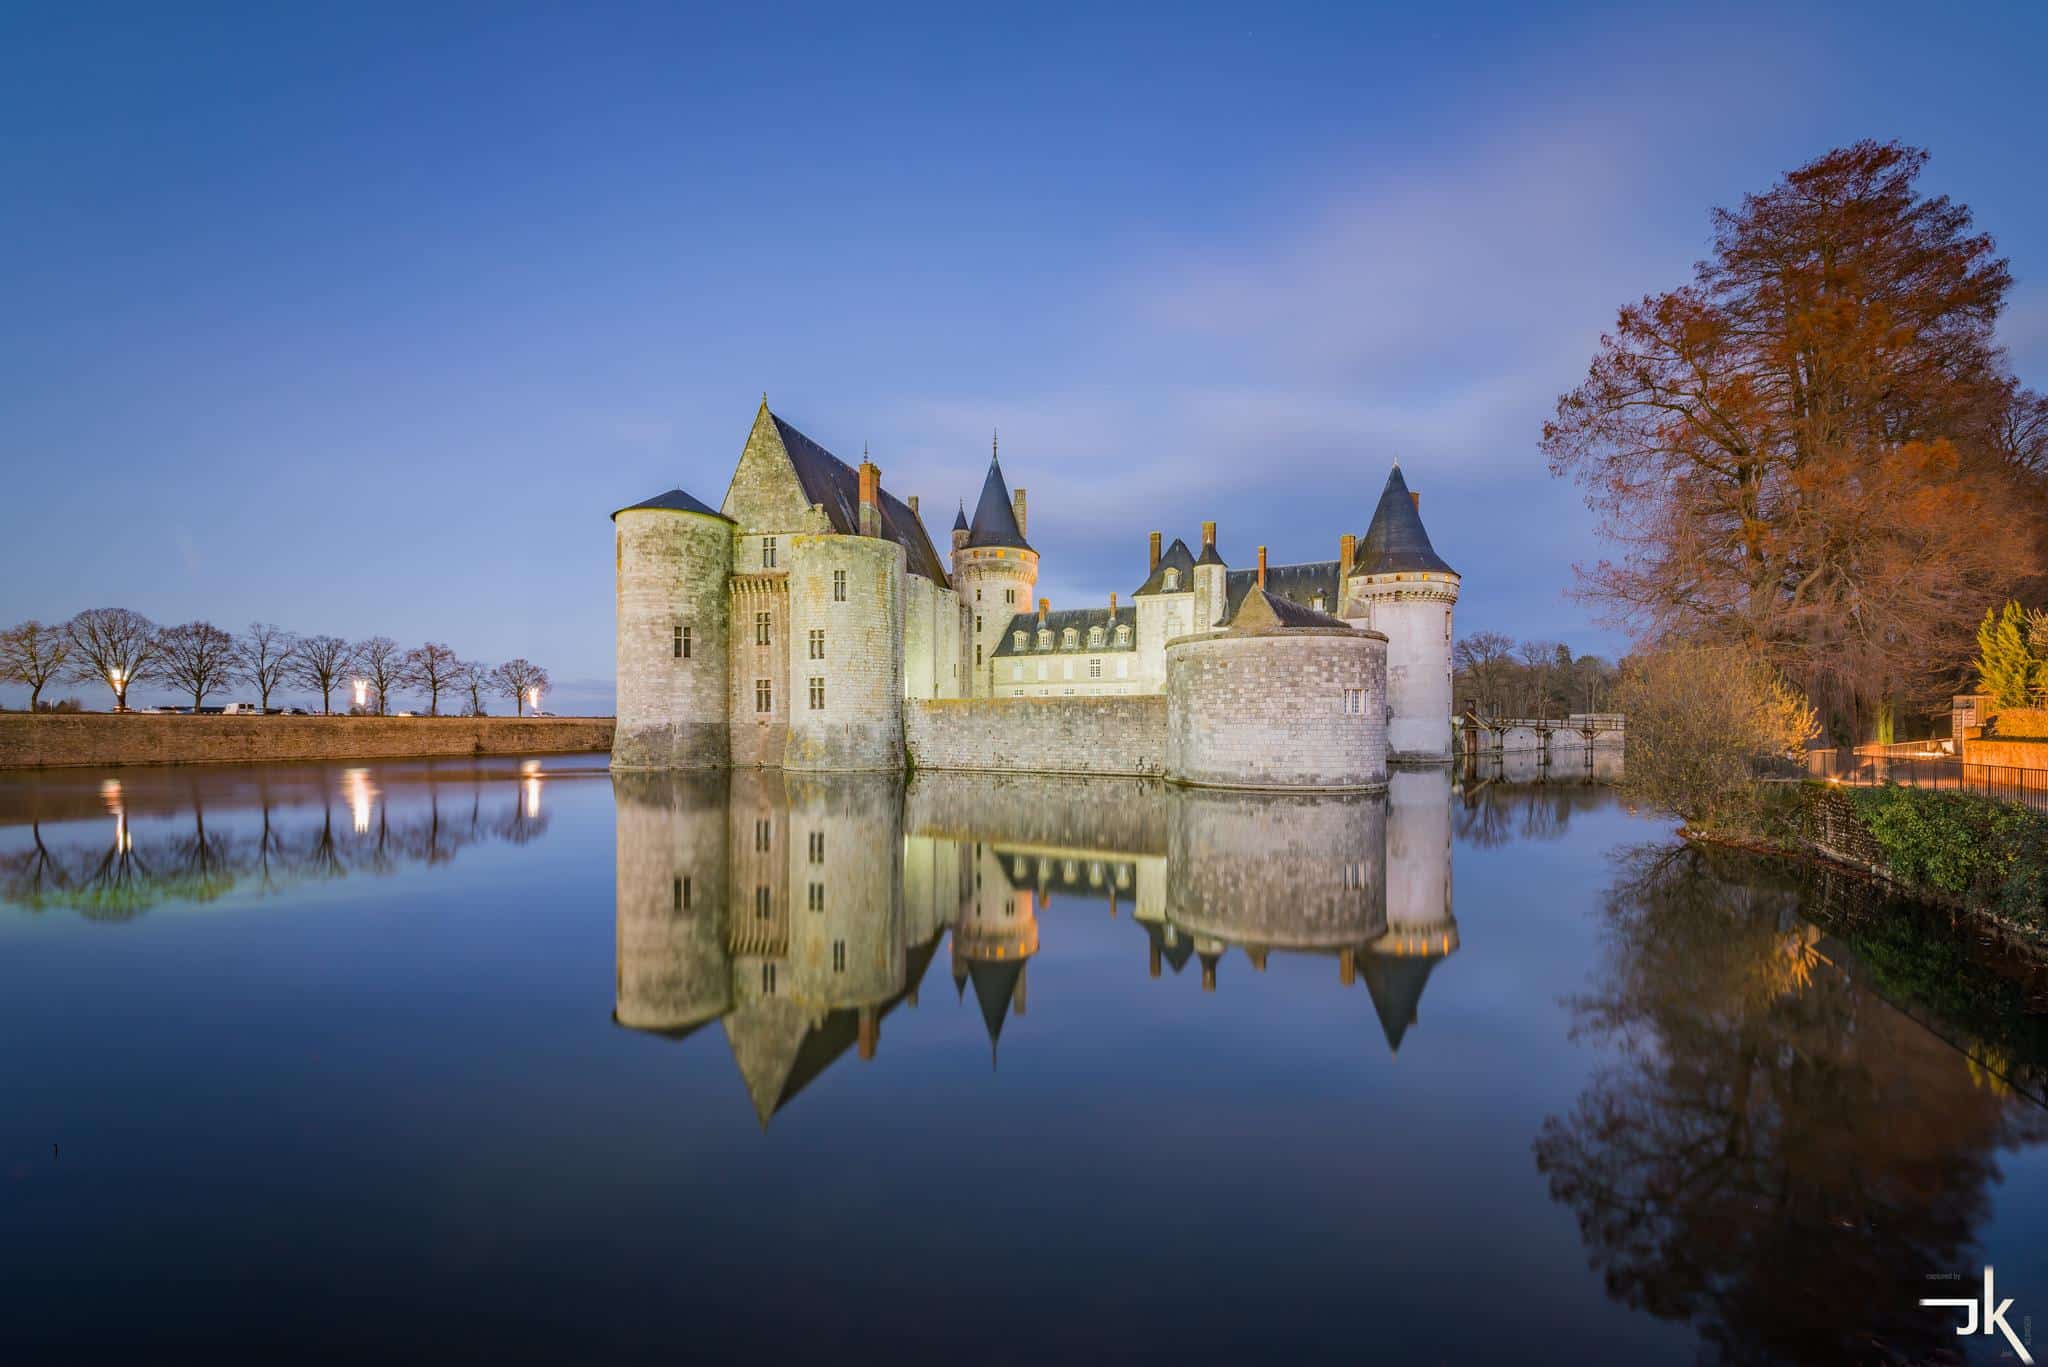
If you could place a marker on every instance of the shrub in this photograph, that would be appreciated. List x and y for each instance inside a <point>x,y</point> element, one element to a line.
<point>2021,723</point>
<point>1986,853</point>
<point>1699,719</point>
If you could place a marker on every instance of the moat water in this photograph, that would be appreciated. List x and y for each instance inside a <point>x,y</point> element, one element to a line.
<point>511,1062</point>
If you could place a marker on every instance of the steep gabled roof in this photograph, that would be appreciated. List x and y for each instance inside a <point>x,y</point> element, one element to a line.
<point>675,500</point>
<point>1264,611</point>
<point>1296,583</point>
<point>995,519</point>
<point>1396,541</point>
<point>835,486</point>
<point>1177,557</point>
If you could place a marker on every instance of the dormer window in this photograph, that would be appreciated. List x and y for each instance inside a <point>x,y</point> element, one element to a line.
<point>1094,637</point>
<point>1017,639</point>
<point>1045,640</point>
<point>1319,602</point>
<point>1171,581</point>
<point>1123,636</point>
<point>1068,638</point>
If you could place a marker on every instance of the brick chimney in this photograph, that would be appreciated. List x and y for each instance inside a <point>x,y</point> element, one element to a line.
<point>1347,551</point>
<point>1112,607</point>
<point>1044,606</point>
<point>912,501</point>
<point>870,499</point>
<point>1416,496</point>
<point>1017,507</point>
<point>1153,563</point>
<point>1262,567</point>
<point>1208,536</point>
<point>868,1028</point>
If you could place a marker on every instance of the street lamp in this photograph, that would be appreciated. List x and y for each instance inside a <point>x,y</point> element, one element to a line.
<point>533,697</point>
<point>118,677</point>
<point>362,693</point>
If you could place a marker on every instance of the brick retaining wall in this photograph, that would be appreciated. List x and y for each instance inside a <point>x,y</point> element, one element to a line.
<point>72,740</point>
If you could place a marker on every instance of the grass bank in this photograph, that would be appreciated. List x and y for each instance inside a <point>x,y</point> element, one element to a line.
<point>45,740</point>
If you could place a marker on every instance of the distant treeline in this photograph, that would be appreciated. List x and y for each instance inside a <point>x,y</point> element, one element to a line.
<point>119,648</point>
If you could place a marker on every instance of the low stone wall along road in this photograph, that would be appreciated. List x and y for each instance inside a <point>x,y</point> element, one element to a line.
<point>73,740</point>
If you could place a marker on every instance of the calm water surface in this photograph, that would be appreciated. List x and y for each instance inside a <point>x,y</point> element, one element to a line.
<point>518,1062</point>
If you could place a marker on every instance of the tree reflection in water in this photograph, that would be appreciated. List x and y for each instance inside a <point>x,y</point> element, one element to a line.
<point>289,834</point>
<point>1776,1153</point>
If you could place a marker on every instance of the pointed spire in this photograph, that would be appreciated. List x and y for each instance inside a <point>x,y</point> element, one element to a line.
<point>1396,540</point>
<point>995,441</point>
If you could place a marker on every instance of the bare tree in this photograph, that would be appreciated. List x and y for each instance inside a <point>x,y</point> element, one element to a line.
<point>522,681</point>
<point>1537,659</point>
<point>432,668</point>
<point>382,664</point>
<point>474,678</point>
<point>198,658</point>
<point>1485,657</point>
<point>265,655</point>
<point>33,653</point>
<point>115,646</point>
<point>319,663</point>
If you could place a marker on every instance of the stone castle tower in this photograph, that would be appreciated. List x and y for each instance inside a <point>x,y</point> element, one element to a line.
<point>994,567</point>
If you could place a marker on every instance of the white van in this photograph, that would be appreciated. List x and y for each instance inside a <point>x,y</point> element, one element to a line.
<point>241,709</point>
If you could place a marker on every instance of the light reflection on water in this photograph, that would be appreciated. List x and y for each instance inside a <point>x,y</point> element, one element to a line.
<point>1644,1102</point>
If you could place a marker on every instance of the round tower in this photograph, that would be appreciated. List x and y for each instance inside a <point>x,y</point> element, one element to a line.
<point>674,557</point>
<point>994,571</point>
<point>845,653</point>
<point>1285,697</point>
<point>1398,585</point>
<point>673,971</point>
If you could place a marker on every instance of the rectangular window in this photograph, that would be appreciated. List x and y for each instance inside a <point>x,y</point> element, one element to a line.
<point>977,624</point>
<point>760,628</point>
<point>764,696</point>
<point>761,903</point>
<point>817,897</point>
<point>839,956</point>
<point>977,657</point>
<point>767,552</point>
<point>681,643</point>
<point>761,832</point>
<point>1123,669</point>
<point>817,645</point>
<point>817,694</point>
<point>839,586</point>
<point>1095,669</point>
<point>817,847</point>
<point>768,980</point>
<point>1447,624</point>
<point>682,898</point>
<point>1016,671</point>
<point>1066,669</point>
<point>1354,701</point>
<point>977,595</point>
<point>1010,596</point>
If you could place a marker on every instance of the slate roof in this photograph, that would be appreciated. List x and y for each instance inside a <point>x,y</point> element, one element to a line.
<point>833,484</point>
<point>1208,555</point>
<point>675,500</point>
<point>995,519</point>
<point>1262,610</point>
<point>1080,619</point>
<point>1177,557</point>
<point>1396,541</point>
<point>960,518</point>
<point>995,983</point>
<point>1395,984</point>
<point>1292,583</point>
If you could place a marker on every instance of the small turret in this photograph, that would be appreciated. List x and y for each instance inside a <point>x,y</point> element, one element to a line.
<point>1397,583</point>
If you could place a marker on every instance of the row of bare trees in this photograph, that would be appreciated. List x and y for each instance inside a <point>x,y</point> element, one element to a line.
<point>121,648</point>
<point>1501,677</point>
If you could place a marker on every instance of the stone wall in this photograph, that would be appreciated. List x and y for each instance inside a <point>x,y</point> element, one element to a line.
<point>2009,754</point>
<point>843,707</point>
<point>1039,735</point>
<point>58,740</point>
<point>1117,815</point>
<point>1268,710</point>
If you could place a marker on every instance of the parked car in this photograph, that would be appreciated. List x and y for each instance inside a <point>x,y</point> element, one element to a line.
<point>241,709</point>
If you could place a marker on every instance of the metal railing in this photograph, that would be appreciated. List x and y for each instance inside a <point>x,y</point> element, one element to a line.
<point>2005,782</point>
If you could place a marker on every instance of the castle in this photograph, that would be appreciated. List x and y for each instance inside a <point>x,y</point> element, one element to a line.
<point>809,623</point>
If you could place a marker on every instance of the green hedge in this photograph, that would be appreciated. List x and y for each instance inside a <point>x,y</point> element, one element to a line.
<point>1988,853</point>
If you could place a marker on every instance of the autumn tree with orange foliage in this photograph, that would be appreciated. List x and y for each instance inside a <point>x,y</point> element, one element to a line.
<point>1815,450</point>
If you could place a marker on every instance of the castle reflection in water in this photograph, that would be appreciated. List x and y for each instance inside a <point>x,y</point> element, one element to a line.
<point>798,912</point>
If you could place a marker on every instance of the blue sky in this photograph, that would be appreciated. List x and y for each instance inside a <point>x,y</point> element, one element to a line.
<point>363,319</point>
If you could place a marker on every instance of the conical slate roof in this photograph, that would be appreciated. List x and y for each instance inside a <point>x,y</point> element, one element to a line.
<point>960,519</point>
<point>675,500</point>
<point>1395,983</point>
<point>995,982</point>
<point>995,520</point>
<point>1396,542</point>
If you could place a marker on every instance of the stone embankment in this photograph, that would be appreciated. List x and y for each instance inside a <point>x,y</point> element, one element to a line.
<point>75,740</point>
